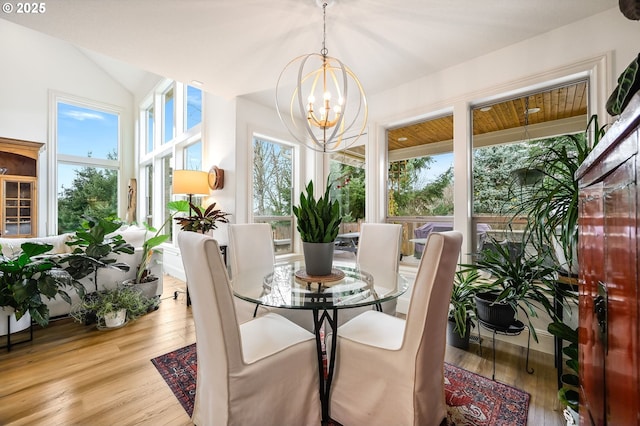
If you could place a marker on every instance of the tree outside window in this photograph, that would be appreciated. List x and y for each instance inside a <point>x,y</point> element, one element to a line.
<point>87,140</point>
<point>273,190</point>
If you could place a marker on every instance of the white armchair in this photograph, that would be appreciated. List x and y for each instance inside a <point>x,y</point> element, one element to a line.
<point>391,371</point>
<point>260,372</point>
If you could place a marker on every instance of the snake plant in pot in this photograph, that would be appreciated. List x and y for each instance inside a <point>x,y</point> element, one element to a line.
<point>318,223</point>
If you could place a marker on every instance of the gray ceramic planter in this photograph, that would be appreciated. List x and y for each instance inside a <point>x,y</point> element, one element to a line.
<point>318,258</point>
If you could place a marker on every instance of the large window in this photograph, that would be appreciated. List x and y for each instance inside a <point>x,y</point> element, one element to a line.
<point>273,190</point>
<point>420,184</point>
<point>505,134</point>
<point>87,141</point>
<point>171,138</point>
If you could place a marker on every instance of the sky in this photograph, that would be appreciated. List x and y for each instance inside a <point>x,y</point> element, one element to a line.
<point>84,132</point>
<point>92,132</point>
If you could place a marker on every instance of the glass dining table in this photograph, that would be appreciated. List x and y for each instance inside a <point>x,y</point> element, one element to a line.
<point>287,286</point>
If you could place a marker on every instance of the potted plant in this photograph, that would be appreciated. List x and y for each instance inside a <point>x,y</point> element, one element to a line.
<point>520,282</point>
<point>27,277</point>
<point>462,309</point>
<point>568,394</point>
<point>145,281</point>
<point>112,308</point>
<point>318,222</point>
<point>550,202</point>
<point>202,219</point>
<point>94,244</point>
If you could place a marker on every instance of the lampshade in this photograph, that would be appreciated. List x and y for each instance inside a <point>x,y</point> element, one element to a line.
<point>326,108</point>
<point>194,182</point>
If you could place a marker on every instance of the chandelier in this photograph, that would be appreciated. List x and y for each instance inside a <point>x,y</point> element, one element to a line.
<point>326,110</point>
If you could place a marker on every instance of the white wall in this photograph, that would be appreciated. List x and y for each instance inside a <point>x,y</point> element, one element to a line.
<point>34,64</point>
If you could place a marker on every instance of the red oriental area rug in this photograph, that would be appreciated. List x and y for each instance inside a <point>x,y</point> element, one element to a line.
<point>471,399</point>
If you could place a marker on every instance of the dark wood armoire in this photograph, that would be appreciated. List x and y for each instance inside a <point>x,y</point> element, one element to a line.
<point>609,350</point>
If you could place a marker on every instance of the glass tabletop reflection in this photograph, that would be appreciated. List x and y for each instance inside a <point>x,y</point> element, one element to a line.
<point>286,286</point>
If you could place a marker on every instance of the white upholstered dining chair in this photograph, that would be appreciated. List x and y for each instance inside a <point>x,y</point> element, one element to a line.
<point>261,372</point>
<point>379,254</point>
<point>250,245</point>
<point>251,248</point>
<point>389,370</point>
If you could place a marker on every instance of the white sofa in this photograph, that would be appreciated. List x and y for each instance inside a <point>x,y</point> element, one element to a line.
<point>107,277</point>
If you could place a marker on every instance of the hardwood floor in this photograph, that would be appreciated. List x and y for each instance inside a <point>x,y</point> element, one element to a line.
<point>72,374</point>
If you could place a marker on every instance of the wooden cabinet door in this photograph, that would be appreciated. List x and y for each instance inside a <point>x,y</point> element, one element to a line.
<point>621,342</point>
<point>608,306</point>
<point>18,207</point>
<point>591,353</point>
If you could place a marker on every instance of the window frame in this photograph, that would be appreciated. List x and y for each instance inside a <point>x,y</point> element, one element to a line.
<point>252,218</point>
<point>55,158</point>
<point>175,148</point>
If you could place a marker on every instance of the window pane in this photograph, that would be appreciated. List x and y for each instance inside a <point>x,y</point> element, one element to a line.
<point>507,135</point>
<point>420,185</point>
<point>193,156</point>
<point>82,191</point>
<point>150,120</point>
<point>272,173</point>
<point>193,107</point>
<point>149,194</point>
<point>273,190</point>
<point>87,132</point>
<point>421,170</point>
<point>167,178</point>
<point>348,187</point>
<point>169,115</point>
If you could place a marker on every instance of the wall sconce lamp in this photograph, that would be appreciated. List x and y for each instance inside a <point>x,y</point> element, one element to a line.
<point>216,178</point>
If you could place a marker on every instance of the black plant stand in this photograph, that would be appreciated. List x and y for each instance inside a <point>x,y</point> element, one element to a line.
<point>9,343</point>
<point>513,330</point>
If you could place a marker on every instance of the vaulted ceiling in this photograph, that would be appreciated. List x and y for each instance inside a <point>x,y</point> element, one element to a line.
<point>238,48</point>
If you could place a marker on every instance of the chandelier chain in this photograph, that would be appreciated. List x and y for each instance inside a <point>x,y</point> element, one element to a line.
<point>324,50</point>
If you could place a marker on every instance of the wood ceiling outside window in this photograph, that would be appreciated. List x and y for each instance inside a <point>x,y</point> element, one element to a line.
<point>555,104</point>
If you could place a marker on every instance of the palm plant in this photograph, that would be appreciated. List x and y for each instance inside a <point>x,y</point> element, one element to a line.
<point>550,204</point>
